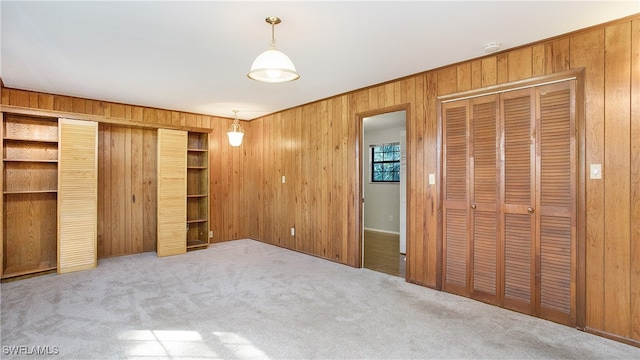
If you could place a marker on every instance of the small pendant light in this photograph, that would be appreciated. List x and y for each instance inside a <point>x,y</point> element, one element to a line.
<point>272,65</point>
<point>235,132</point>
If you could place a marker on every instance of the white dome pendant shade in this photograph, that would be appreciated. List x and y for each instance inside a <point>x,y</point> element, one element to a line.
<point>235,132</point>
<point>273,66</point>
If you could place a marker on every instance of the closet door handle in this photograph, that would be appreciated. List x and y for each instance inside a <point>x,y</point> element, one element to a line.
<point>473,206</point>
<point>530,210</point>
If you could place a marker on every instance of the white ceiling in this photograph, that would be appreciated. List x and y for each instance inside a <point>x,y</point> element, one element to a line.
<point>194,56</point>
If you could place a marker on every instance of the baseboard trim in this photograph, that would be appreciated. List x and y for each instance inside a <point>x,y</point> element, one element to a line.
<point>614,337</point>
<point>382,231</point>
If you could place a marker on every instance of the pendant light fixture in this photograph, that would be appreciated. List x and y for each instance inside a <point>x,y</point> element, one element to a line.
<point>235,132</point>
<point>272,65</point>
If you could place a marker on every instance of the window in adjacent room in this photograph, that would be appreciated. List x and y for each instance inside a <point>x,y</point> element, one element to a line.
<point>385,163</point>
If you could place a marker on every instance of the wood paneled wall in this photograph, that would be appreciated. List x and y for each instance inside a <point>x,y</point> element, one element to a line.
<point>314,146</point>
<point>127,136</point>
<point>127,188</point>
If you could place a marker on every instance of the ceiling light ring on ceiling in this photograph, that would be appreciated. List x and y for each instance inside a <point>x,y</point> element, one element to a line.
<point>272,65</point>
<point>235,132</point>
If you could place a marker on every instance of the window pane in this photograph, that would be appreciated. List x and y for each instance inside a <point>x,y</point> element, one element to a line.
<point>385,163</point>
<point>377,155</point>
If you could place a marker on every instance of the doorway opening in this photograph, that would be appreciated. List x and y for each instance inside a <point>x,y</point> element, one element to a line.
<point>384,180</point>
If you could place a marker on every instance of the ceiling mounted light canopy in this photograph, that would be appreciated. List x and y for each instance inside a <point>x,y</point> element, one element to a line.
<point>235,132</point>
<point>272,65</point>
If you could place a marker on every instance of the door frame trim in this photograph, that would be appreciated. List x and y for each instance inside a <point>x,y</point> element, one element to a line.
<point>360,161</point>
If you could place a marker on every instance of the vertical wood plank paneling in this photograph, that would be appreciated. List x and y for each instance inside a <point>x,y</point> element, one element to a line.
<point>136,218</point>
<point>476,74</point>
<point>489,71</point>
<point>276,166</point>
<point>215,170</point>
<point>519,64</point>
<point>616,178</point>
<point>463,72</point>
<point>538,64</point>
<point>118,207</point>
<point>297,176</point>
<point>127,199</point>
<point>587,50</point>
<point>105,236</point>
<point>77,195</point>
<point>635,180</point>
<point>502,68</point>
<point>307,229</point>
<point>337,194</point>
<point>447,80</point>
<point>324,180</point>
<point>430,161</point>
<point>353,153</point>
<point>150,189</point>
<point>561,58</point>
<point>421,259</point>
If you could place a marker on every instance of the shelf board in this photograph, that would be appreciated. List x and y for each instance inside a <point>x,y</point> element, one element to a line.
<point>196,221</point>
<point>31,160</point>
<point>31,140</point>
<point>29,192</point>
<point>197,150</point>
<point>197,167</point>
<point>197,195</point>
<point>196,244</point>
<point>27,269</point>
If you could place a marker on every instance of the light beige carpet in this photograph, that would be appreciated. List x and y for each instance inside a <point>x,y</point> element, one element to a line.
<point>249,300</point>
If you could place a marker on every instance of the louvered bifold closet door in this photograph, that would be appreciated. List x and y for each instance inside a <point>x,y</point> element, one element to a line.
<point>455,204</point>
<point>77,195</point>
<point>518,219</point>
<point>483,192</point>
<point>556,206</point>
<point>172,192</point>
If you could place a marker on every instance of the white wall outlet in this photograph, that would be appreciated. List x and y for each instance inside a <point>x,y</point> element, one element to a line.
<point>283,179</point>
<point>293,231</point>
<point>596,171</point>
<point>432,179</point>
<point>390,217</point>
<point>210,234</point>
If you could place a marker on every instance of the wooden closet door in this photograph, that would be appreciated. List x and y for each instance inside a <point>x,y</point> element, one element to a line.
<point>455,198</point>
<point>555,209</point>
<point>483,191</point>
<point>172,192</point>
<point>518,194</point>
<point>77,195</point>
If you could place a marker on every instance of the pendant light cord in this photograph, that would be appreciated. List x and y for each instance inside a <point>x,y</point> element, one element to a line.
<point>273,35</point>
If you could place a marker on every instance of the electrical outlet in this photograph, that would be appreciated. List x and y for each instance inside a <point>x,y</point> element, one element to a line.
<point>283,179</point>
<point>210,234</point>
<point>293,231</point>
<point>432,179</point>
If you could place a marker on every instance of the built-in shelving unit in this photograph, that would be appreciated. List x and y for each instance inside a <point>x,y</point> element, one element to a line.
<point>30,189</point>
<point>197,191</point>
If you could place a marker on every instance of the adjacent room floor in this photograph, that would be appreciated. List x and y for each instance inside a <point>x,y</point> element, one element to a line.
<point>382,253</point>
<point>249,300</point>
